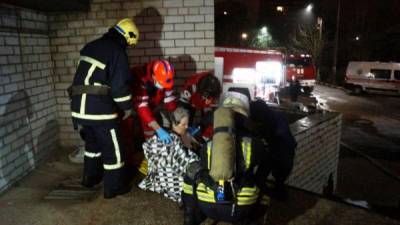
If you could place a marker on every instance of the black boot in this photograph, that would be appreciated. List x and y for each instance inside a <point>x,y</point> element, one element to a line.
<point>90,182</point>
<point>113,193</point>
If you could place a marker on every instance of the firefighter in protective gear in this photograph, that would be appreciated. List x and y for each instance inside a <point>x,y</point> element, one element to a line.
<point>230,196</point>
<point>201,92</point>
<point>152,89</point>
<point>100,95</point>
<point>264,125</point>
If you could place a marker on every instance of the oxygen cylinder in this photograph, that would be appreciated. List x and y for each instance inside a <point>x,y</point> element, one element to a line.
<point>223,145</point>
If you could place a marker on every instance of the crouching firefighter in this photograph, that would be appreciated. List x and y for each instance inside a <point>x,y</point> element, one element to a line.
<point>221,186</point>
<point>99,94</point>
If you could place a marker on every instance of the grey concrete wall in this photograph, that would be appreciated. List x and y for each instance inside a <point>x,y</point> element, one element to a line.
<point>317,153</point>
<point>181,31</point>
<point>28,126</point>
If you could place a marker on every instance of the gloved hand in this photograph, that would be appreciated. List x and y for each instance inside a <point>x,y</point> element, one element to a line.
<point>163,135</point>
<point>127,113</point>
<point>193,130</point>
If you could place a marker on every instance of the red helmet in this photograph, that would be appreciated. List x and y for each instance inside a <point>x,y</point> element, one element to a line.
<point>162,73</point>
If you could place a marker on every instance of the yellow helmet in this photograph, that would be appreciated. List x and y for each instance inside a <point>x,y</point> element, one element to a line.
<point>128,29</point>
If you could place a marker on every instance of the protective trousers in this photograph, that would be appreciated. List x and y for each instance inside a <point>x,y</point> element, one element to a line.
<point>104,158</point>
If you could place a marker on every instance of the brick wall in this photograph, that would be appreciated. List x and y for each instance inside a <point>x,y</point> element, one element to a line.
<point>317,153</point>
<point>181,31</point>
<point>28,126</point>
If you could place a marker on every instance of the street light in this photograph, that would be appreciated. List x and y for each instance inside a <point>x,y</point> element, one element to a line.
<point>225,13</point>
<point>244,36</point>
<point>357,38</point>
<point>279,8</point>
<point>264,30</point>
<point>309,8</point>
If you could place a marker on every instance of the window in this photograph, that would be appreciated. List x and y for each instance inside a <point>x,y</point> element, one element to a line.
<point>304,62</point>
<point>397,74</point>
<point>381,74</point>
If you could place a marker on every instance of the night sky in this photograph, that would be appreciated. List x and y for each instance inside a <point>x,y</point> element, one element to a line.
<point>369,30</point>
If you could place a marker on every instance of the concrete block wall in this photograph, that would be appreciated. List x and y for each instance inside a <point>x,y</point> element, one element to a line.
<point>28,126</point>
<point>181,31</point>
<point>317,153</point>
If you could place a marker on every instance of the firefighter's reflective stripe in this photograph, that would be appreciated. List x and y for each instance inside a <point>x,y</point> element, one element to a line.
<point>94,64</point>
<point>117,152</point>
<point>246,149</point>
<point>205,193</point>
<point>209,146</point>
<point>123,99</point>
<point>244,196</point>
<point>187,188</point>
<point>92,154</point>
<point>94,117</point>
<point>143,104</point>
<point>265,200</point>
<point>247,195</point>
<point>169,99</point>
<point>92,61</point>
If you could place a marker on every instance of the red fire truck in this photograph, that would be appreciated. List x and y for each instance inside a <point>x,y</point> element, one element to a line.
<point>261,71</point>
<point>301,68</point>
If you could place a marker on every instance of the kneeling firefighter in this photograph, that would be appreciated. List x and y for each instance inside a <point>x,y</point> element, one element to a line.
<point>222,186</point>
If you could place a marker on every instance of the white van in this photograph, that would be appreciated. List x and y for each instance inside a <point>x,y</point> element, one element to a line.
<point>372,77</point>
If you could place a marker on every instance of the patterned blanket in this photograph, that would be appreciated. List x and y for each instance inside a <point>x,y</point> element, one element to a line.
<point>166,166</point>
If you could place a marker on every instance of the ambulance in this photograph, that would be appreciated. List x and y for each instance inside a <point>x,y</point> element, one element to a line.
<point>362,76</point>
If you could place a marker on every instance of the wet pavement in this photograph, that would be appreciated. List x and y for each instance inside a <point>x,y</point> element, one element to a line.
<point>371,125</point>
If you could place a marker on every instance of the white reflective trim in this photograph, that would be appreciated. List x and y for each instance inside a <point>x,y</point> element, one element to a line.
<point>113,166</point>
<point>123,99</point>
<point>169,99</point>
<point>143,104</point>
<point>89,74</point>
<point>92,155</point>
<point>168,93</point>
<point>95,64</point>
<point>83,104</point>
<point>93,61</point>
<point>94,117</point>
<point>194,88</point>
<point>97,84</point>
<point>118,163</point>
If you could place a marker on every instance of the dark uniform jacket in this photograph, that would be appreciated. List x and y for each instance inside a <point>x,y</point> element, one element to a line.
<point>273,128</point>
<point>103,63</point>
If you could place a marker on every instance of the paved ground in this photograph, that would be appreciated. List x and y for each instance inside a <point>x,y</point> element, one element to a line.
<point>371,125</point>
<point>25,205</point>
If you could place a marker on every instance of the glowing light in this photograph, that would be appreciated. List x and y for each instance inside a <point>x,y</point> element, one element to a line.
<point>225,13</point>
<point>357,38</point>
<point>244,36</point>
<point>279,8</point>
<point>245,75</point>
<point>309,8</point>
<point>264,30</point>
<point>271,71</point>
